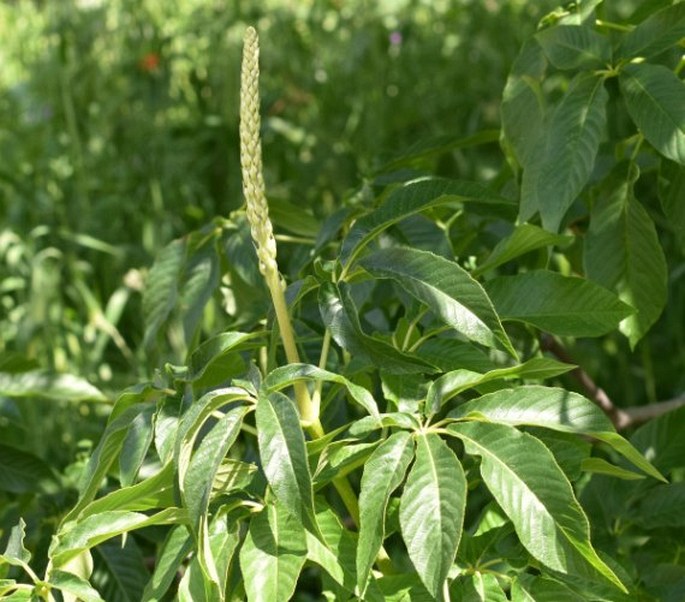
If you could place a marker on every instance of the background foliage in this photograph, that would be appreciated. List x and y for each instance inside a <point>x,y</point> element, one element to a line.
<point>124,247</point>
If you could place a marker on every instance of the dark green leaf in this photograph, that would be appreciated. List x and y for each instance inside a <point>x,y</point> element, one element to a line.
<point>565,160</point>
<point>284,456</point>
<point>662,507</point>
<point>136,445</point>
<point>169,559</point>
<point>622,252</point>
<point>446,288</point>
<point>557,304</point>
<point>125,571</point>
<point>217,347</point>
<point>383,473</point>
<point>432,510</point>
<point>655,34</point>
<point>575,47</point>
<point>22,472</point>
<point>477,587</point>
<point>671,194</point>
<point>662,440</point>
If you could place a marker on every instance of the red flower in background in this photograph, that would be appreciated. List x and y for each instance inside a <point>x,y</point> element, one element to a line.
<point>149,62</point>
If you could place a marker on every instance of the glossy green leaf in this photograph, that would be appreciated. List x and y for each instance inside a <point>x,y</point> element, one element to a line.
<point>524,239</point>
<point>74,585</point>
<point>558,304</point>
<point>622,252</point>
<point>412,198</point>
<point>655,97</point>
<point>526,482</point>
<point>383,473</point>
<point>341,318</point>
<point>601,466</point>
<point>38,383</point>
<point>451,384</point>
<point>23,472</point>
<point>447,289</point>
<point>575,47</point>
<point>523,104</point>
<point>272,555</point>
<point>169,559</point>
<point>284,456</point>
<point>555,409</point>
<point>198,479</point>
<point>671,194</point>
<point>285,376</point>
<point>565,161</point>
<point>432,510</point>
<point>74,538</point>
<point>660,31</point>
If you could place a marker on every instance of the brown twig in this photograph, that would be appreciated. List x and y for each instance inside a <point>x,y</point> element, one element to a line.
<point>622,418</point>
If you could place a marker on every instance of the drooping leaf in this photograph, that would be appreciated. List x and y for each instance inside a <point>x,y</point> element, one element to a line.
<point>23,472</point>
<point>74,585</point>
<point>601,466</point>
<point>412,198</point>
<point>38,383</point>
<point>451,384</point>
<point>556,409</point>
<point>341,318</point>
<point>272,555</point>
<point>526,482</point>
<point>446,288</point>
<point>285,376</point>
<point>558,304</point>
<point>658,32</point>
<point>575,47</point>
<point>524,238</point>
<point>284,456</point>
<point>383,473</point>
<point>655,98</point>
<point>622,252</point>
<point>432,510</point>
<point>565,160</point>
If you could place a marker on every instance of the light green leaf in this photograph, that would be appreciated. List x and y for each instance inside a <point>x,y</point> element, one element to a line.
<point>565,161</point>
<point>412,198</point>
<point>622,252</point>
<point>655,98</point>
<point>657,33</point>
<point>383,473</point>
<point>601,466</point>
<point>339,459</point>
<point>451,384</point>
<point>136,445</point>
<point>233,475</point>
<point>432,510</point>
<point>450,354</point>
<point>527,483</point>
<point>74,585</point>
<point>22,472</point>
<point>284,456</point>
<point>575,47</point>
<point>341,318</point>
<point>272,555</point>
<point>216,348</point>
<point>477,587</point>
<point>285,376</point>
<point>15,553</point>
<point>447,289</point>
<point>58,387</point>
<point>555,409</point>
<point>174,551</point>
<point>524,238</point>
<point>523,104</point>
<point>558,304</point>
<point>76,537</point>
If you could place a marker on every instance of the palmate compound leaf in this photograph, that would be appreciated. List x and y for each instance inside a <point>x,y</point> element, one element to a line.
<point>284,456</point>
<point>384,471</point>
<point>552,408</point>
<point>432,510</point>
<point>529,486</point>
<point>447,289</point>
<point>272,555</point>
<point>565,160</point>
<point>562,305</point>
<point>655,97</point>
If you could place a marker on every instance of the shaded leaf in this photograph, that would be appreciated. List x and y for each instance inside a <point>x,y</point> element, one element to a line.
<point>662,440</point>
<point>170,557</point>
<point>22,472</point>
<point>660,31</point>
<point>477,587</point>
<point>671,194</point>
<point>575,47</point>
<point>662,507</point>
<point>126,573</point>
<point>558,304</point>
<point>432,510</point>
<point>655,98</point>
<point>136,445</point>
<point>447,289</point>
